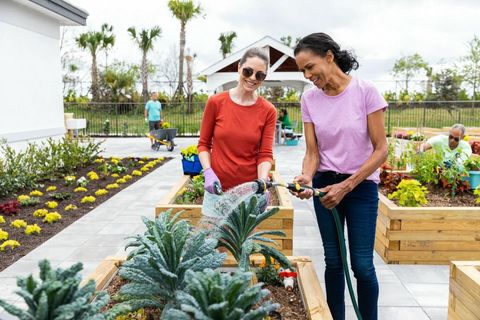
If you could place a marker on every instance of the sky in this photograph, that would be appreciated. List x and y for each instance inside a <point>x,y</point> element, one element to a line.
<point>378,31</point>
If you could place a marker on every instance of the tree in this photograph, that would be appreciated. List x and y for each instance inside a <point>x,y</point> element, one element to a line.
<point>471,67</point>
<point>287,40</point>
<point>226,42</point>
<point>407,67</point>
<point>117,82</point>
<point>447,85</point>
<point>95,41</point>
<point>183,10</point>
<point>144,39</point>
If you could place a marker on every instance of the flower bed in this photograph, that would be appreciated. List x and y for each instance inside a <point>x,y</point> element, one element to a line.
<point>54,205</point>
<point>464,288</point>
<point>283,220</point>
<point>426,235</point>
<point>309,286</point>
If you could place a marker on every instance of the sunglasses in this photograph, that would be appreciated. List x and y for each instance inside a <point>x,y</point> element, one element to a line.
<point>247,73</point>
<point>454,138</point>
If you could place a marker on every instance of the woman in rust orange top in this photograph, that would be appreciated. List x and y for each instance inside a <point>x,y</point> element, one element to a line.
<point>238,125</point>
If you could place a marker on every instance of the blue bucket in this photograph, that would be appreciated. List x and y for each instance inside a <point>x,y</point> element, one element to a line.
<point>474,179</point>
<point>192,168</point>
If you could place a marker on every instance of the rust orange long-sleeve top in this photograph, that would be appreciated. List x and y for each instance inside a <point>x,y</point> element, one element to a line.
<point>238,137</point>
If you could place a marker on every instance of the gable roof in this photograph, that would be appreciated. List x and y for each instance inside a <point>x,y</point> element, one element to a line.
<point>66,13</point>
<point>276,52</point>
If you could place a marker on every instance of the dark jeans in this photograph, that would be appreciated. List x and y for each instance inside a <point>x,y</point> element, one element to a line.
<point>359,210</point>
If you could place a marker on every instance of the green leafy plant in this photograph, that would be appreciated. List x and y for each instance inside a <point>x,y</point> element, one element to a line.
<point>58,295</point>
<point>451,176</point>
<point>410,193</point>
<point>215,295</point>
<point>29,202</point>
<point>189,152</point>
<point>236,234</point>
<point>60,196</point>
<point>193,190</point>
<point>477,193</point>
<point>472,164</point>
<point>426,167</point>
<point>267,272</point>
<point>160,259</point>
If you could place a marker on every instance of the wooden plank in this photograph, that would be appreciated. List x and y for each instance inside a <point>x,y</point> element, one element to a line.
<point>432,255</point>
<point>104,272</point>
<point>435,235</point>
<point>440,245</point>
<point>433,225</point>
<point>312,294</point>
<point>468,277</point>
<point>463,312</point>
<point>461,294</point>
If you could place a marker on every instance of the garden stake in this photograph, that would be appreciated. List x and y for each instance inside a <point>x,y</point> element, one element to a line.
<point>264,185</point>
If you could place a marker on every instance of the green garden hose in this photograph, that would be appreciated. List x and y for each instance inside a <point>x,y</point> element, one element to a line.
<point>263,185</point>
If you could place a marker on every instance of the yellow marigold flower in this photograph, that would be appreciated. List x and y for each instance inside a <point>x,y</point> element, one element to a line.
<point>80,189</point>
<point>23,197</point>
<point>161,158</point>
<point>182,191</point>
<point>3,235</point>
<point>101,192</point>
<point>114,161</point>
<point>51,188</point>
<point>88,199</point>
<point>127,177</point>
<point>19,223</point>
<point>40,213</point>
<point>71,207</point>
<point>51,204</point>
<point>36,193</point>
<point>141,162</point>
<point>121,181</point>
<point>2,219</point>
<point>70,179</point>
<point>145,158</point>
<point>9,243</point>
<point>52,217</point>
<point>112,186</point>
<point>466,137</point>
<point>92,175</point>
<point>136,173</point>
<point>98,160</point>
<point>32,228</point>
<point>144,169</point>
<point>410,132</point>
<point>115,175</point>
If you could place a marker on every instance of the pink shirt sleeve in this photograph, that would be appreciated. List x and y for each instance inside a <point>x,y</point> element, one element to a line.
<point>305,114</point>
<point>374,101</point>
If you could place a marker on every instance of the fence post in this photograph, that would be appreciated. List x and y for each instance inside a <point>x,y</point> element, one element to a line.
<point>424,115</point>
<point>388,121</point>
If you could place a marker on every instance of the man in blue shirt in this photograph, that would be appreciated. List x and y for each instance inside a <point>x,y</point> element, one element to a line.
<point>153,110</point>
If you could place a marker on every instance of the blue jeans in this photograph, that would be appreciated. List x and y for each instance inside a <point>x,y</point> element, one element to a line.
<point>359,209</point>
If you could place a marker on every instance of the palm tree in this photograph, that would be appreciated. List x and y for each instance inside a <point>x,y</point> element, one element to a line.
<point>226,40</point>
<point>183,10</point>
<point>95,41</point>
<point>144,40</point>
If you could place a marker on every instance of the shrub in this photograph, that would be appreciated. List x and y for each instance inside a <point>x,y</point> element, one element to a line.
<point>57,294</point>
<point>237,234</point>
<point>215,295</point>
<point>410,193</point>
<point>160,259</point>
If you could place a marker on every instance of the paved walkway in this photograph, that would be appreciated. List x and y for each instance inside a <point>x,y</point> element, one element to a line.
<point>406,291</point>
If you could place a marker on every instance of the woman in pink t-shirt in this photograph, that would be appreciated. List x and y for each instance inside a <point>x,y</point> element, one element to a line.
<point>345,137</point>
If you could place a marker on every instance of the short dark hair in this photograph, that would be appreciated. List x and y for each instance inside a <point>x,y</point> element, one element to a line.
<point>255,52</point>
<point>319,43</point>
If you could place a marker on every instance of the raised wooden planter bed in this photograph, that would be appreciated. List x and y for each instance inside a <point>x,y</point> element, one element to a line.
<point>426,235</point>
<point>283,220</point>
<point>310,289</point>
<point>464,287</point>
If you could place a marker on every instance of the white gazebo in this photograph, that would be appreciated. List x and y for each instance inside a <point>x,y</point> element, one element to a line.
<point>283,70</point>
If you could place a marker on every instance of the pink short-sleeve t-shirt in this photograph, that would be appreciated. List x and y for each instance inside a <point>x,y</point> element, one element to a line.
<point>341,125</point>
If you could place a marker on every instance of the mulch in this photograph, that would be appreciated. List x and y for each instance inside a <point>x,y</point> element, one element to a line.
<point>291,304</point>
<point>30,242</point>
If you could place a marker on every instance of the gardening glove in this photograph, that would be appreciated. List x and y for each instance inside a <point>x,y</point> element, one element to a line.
<point>212,183</point>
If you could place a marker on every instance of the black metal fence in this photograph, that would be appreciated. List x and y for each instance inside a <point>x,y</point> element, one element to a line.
<point>127,119</point>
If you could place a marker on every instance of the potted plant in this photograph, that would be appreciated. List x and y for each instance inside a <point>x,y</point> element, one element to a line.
<point>472,166</point>
<point>190,161</point>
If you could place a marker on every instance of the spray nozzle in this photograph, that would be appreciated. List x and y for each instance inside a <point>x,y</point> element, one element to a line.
<point>217,188</point>
<point>263,185</point>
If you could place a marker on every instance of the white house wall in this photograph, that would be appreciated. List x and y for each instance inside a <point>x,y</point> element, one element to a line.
<point>31,105</point>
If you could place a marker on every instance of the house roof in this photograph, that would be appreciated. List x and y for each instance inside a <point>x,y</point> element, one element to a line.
<point>283,70</point>
<point>70,14</point>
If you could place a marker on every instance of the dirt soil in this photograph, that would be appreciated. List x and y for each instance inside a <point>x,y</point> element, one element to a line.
<point>291,304</point>
<point>439,197</point>
<point>30,242</point>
